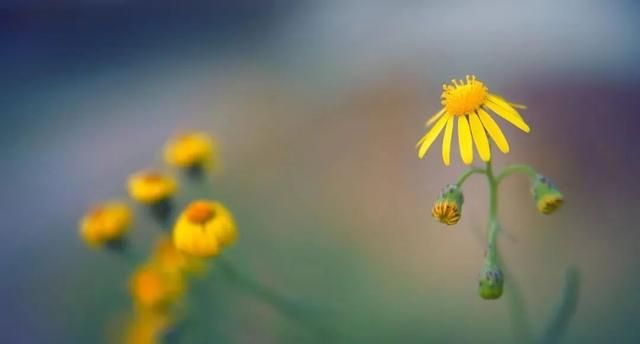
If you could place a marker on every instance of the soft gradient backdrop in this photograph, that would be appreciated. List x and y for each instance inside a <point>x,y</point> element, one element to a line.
<point>318,106</point>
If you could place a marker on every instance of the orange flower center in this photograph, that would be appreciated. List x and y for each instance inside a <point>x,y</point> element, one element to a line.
<point>461,98</point>
<point>152,177</point>
<point>200,212</point>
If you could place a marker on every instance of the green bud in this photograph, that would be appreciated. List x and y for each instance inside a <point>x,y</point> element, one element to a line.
<point>547,197</point>
<point>448,207</point>
<point>491,282</point>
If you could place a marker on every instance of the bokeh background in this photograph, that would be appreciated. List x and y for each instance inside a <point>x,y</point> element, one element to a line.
<point>317,107</point>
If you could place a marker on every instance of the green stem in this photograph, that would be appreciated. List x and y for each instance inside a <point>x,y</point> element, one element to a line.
<point>492,257</point>
<point>518,168</point>
<point>468,174</point>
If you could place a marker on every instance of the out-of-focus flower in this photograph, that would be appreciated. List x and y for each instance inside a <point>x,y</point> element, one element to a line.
<point>170,259</point>
<point>147,328</point>
<point>448,207</point>
<point>151,187</point>
<point>105,223</point>
<point>190,150</point>
<point>547,197</point>
<point>491,282</point>
<point>204,228</point>
<point>155,289</point>
<point>470,102</point>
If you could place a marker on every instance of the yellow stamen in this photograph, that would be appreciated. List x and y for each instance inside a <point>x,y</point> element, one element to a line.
<point>463,97</point>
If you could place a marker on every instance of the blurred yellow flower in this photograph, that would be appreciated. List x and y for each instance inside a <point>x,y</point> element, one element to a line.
<point>151,187</point>
<point>154,289</point>
<point>195,149</point>
<point>204,228</point>
<point>171,260</point>
<point>147,328</point>
<point>470,102</point>
<point>106,222</point>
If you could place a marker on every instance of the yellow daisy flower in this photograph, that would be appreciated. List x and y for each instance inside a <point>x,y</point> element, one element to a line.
<point>106,222</point>
<point>195,149</point>
<point>204,228</point>
<point>470,102</point>
<point>151,187</point>
<point>154,289</point>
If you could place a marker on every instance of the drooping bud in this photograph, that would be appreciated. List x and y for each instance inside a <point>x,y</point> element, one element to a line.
<point>547,197</point>
<point>491,282</point>
<point>448,207</point>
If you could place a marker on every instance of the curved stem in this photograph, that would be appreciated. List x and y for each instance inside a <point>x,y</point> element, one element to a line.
<point>518,168</point>
<point>468,174</point>
<point>492,256</point>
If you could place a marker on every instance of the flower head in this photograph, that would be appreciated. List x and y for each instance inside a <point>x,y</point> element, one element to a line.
<point>190,150</point>
<point>151,187</point>
<point>155,289</point>
<point>105,223</point>
<point>547,197</point>
<point>491,282</point>
<point>448,207</point>
<point>204,228</point>
<point>470,102</point>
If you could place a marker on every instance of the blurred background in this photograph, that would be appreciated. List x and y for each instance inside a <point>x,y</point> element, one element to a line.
<point>317,107</point>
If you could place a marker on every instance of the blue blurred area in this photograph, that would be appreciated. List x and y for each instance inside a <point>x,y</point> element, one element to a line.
<point>324,100</point>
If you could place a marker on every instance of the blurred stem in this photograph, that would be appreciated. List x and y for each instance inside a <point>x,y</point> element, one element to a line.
<point>491,257</point>
<point>468,174</point>
<point>518,168</point>
<point>566,308</point>
<point>517,307</point>
<point>288,306</point>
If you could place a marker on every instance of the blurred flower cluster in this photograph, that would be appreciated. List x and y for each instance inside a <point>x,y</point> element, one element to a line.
<point>199,231</point>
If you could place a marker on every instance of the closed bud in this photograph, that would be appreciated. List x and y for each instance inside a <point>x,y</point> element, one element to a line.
<point>448,207</point>
<point>547,197</point>
<point>491,282</point>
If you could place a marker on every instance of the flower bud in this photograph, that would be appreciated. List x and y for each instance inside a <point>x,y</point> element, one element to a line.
<point>547,197</point>
<point>491,282</point>
<point>448,207</point>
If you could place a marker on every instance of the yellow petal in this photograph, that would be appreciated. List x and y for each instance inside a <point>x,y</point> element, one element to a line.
<point>480,137</point>
<point>499,98</point>
<point>435,117</point>
<point>446,142</point>
<point>508,113</point>
<point>431,135</point>
<point>494,131</point>
<point>464,140</point>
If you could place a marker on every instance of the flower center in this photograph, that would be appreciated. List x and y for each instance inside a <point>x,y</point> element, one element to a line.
<point>152,177</point>
<point>463,97</point>
<point>200,212</point>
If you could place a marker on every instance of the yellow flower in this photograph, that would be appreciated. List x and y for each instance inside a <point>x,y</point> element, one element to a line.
<point>546,195</point>
<point>154,289</point>
<point>189,150</point>
<point>470,102</point>
<point>147,328</point>
<point>104,223</point>
<point>446,212</point>
<point>151,187</point>
<point>171,260</point>
<point>448,207</point>
<point>204,228</point>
